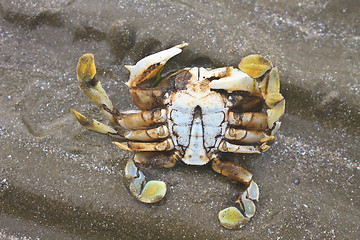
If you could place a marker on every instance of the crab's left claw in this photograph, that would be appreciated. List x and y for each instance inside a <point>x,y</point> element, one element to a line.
<point>232,217</point>
<point>151,66</point>
<point>147,192</point>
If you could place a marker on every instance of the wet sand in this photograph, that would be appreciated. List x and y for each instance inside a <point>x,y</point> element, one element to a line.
<point>60,181</point>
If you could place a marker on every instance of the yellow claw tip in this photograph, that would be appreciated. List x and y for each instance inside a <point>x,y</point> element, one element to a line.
<point>86,67</point>
<point>78,116</point>
<point>122,145</point>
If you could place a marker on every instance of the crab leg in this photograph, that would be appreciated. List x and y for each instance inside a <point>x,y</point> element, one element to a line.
<point>234,148</point>
<point>270,89</point>
<point>152,191</point>
<point>249,120</point>
<point>157,159</point>
<point>257,66</point>
<point>232,171</point>
<point>141,120</point>
<point>92,88</point>
<point>244,136</point>
<point>94,125</point>
<point>232,217</point>
<point>229,147</point>
<point>166,145</point>
<point>146,134</point>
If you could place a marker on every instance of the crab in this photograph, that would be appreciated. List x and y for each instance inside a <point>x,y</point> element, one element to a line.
<point>191,115</point>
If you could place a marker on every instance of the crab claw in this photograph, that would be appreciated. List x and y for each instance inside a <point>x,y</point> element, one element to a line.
<point>147,192</point>
<point>150,66</point>
<point>232,217</point>
<point>235,80</point>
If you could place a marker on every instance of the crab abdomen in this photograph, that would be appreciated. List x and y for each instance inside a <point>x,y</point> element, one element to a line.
<point>197,124</point>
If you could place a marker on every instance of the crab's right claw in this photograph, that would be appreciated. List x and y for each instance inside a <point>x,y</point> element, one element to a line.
<point>151,66</point>
<point>147,192</point>
<point>232,217</point>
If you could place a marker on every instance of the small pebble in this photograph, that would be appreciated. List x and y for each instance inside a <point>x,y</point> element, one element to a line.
<point>296,181</point>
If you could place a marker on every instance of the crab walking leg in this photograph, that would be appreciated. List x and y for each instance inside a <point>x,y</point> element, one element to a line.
<point>249,120</point>
<point>152,191</point>
<point>257,66</point>
<point>166,145</point>
<point>229,147</point>
<point>93,125</point>
<point>157,159</point>
<point>141,120</point>
<point>270,89</point>
<point>247,137</point>
<point>225,146</point>
<point>92,88</point>
<point>146,135</point>
<point>147,192</point>
<point>244,136</point>
<point>232,171</point>
<point>232,217</point>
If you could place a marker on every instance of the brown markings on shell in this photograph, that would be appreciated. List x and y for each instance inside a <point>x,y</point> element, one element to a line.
<point>156,159</point>
<point>181,79</point>
<point>148,146</point>
<point>248,120</point>
<point>245,102</point>
<point>148,98</point>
